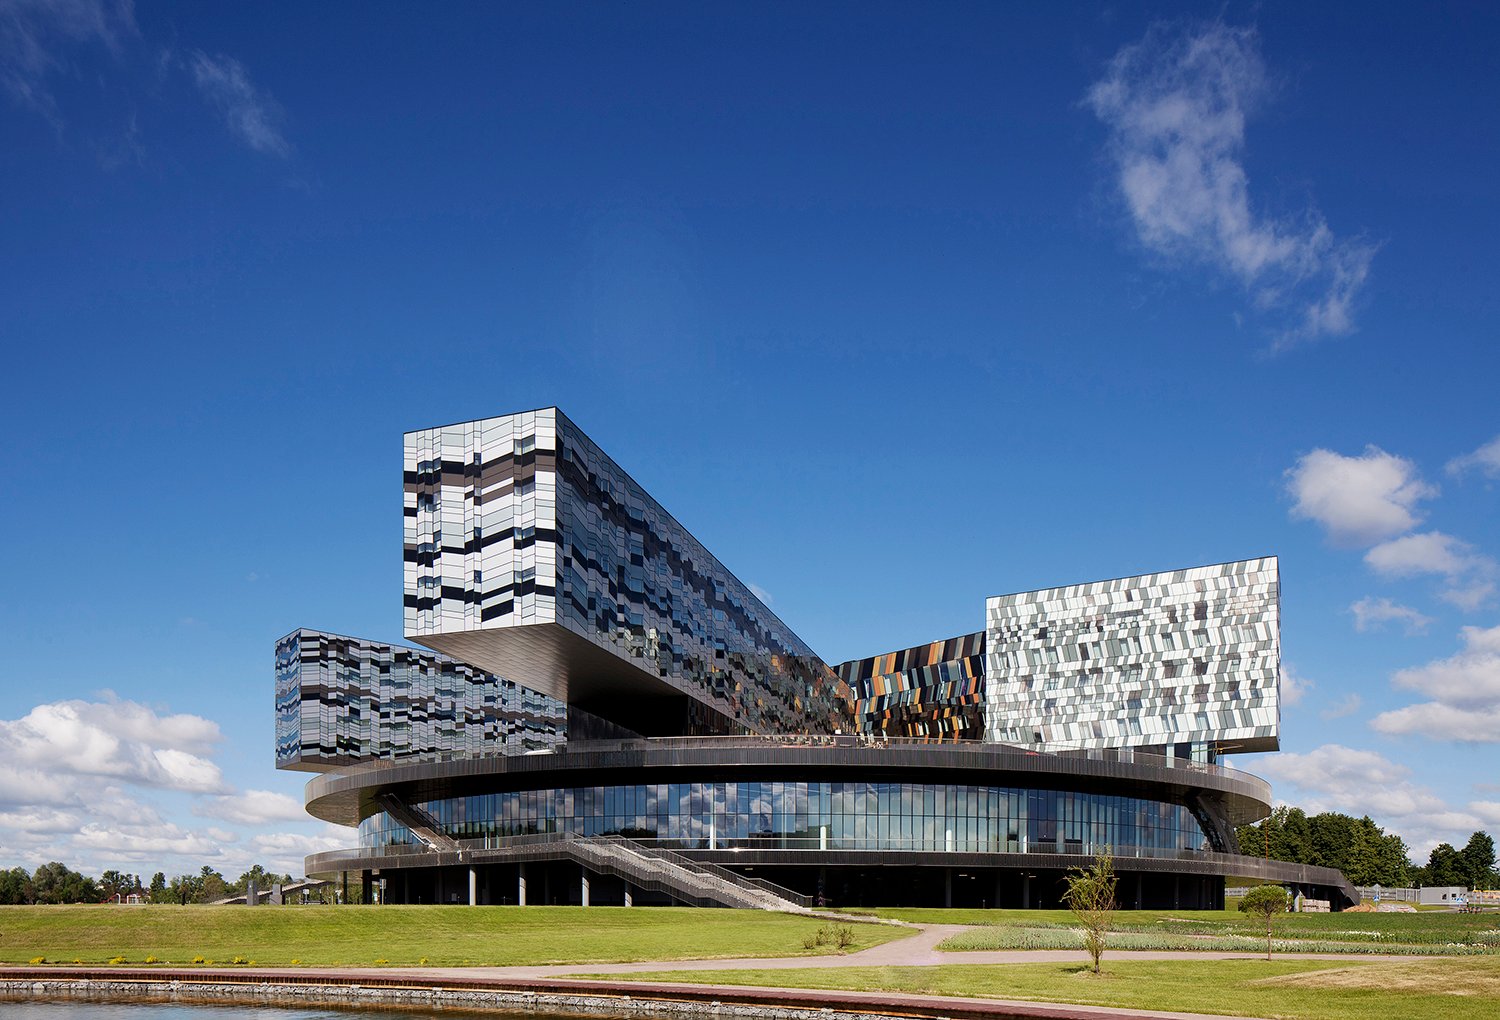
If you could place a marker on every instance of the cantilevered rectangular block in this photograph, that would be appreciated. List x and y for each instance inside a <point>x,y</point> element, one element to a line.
<point>532,554</point>
<point>1182,658</point>
<point>341,700</point>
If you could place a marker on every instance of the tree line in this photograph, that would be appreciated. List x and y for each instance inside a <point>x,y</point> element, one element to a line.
<point>1366,853</point>
<point>55,882</point>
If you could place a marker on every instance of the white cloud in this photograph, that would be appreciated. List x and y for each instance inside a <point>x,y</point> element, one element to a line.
<point>1372,613</point>
<point>1485,460</point>
<point>1346,707</point>
<point>119,739</point>
<point>1176,105</point>
<point>1358,500</point>
<point>1356,782</point>
<point>249,112</point>
<point>760,593</point>
<point>130,845</point>
<point>1465,693</point>
<point>35,33</point>
<point>284,851</point>
<point>1294,686</point>
<point>255,807</point>
<point>1471,678</point>
<point>1430,552</point>
<point>1468,597</point>
<point>72,775</point>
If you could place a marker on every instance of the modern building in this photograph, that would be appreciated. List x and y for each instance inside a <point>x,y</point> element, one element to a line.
<point>606,714</point>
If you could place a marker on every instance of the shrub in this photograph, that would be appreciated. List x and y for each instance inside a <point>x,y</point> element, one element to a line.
<point>381,962</point>
<point>116,959</point>
<point>38,959</point>
<point>152,959</point>
<point>238,960</point>
<point>422,962</point>
<point>199,959</point>
<point>843,936</point>
<point>811,942</point>
<point>296,962</point>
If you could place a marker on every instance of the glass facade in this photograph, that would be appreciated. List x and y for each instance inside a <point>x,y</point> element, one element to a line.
<point>341,700</point>
<point>1188,657</point>
<point>521,522</point>
<point>817,815</point>
<point>933,690</point>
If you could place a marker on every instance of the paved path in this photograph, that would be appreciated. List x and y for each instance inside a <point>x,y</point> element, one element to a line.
<point>919,950</point>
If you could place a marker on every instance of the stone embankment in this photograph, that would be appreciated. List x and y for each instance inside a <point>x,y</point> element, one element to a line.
<point>550,996</point>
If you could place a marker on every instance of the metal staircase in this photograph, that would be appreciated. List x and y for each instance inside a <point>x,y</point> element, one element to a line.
<point>423,825</point>
<point>679,876</point>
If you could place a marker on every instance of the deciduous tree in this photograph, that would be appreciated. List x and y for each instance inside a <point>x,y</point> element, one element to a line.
<point>1091,897</point>
<point>1264,901</point>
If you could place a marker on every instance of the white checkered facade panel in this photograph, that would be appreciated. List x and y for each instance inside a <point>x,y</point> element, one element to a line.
<point>481,524</point>
<point>1183,657</point>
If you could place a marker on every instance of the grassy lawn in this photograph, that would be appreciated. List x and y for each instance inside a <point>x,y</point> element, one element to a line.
<point>1220,929</point>
<point>403,935</point>
<point>1432,989</point>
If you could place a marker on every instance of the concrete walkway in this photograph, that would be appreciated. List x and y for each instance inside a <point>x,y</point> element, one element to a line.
<point>920,950</point>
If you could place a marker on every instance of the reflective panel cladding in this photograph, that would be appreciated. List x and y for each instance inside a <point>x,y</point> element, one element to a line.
<point>818,815</point>
<point>1186,659</point>
<point>341,700</point>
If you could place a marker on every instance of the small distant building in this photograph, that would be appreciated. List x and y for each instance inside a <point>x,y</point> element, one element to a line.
<point>1441,895</point>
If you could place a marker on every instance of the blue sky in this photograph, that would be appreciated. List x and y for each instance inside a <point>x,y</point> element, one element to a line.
<point>894,307</point>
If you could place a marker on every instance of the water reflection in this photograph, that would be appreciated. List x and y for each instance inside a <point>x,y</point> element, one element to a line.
<point>79,1009</point>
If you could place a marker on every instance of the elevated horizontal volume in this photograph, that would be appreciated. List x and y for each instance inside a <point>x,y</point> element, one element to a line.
<point>1181,659</point>
<point>519,527</point>
<point>342,700</point>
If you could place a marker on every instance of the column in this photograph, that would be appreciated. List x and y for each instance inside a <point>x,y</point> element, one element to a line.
<point>629,896</point>
<point>584,886</point>
<point>473,887</point>
<point>521,884</point>
<point>948,887</point>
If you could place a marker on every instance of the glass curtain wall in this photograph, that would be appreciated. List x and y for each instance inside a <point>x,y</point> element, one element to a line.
<point>812,816</point>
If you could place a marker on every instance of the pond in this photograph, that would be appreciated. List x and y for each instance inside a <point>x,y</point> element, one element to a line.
<point>78,1010</point>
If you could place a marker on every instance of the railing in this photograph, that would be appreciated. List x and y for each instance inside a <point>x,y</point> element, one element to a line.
<point>675,850</point>
<point>723,874</point>
<point>682,877</point>
<point>861,740</point>
<point>1231,864</point>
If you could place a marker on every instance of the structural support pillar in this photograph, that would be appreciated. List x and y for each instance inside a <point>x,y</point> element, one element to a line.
<point>1025,892</point>
<point>473,887</point>
<point>584,886</point>
<point>947,887</point>
<point>521,884</point>
<point>629,896</point>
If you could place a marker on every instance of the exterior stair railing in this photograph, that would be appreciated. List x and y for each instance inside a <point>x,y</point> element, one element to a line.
<point>422,824</point>
<point>750,891</point>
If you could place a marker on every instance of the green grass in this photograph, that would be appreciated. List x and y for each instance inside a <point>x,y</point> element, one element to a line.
<point>1415,929</point>
<point>403,935</point>
<point>1432,989</point>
